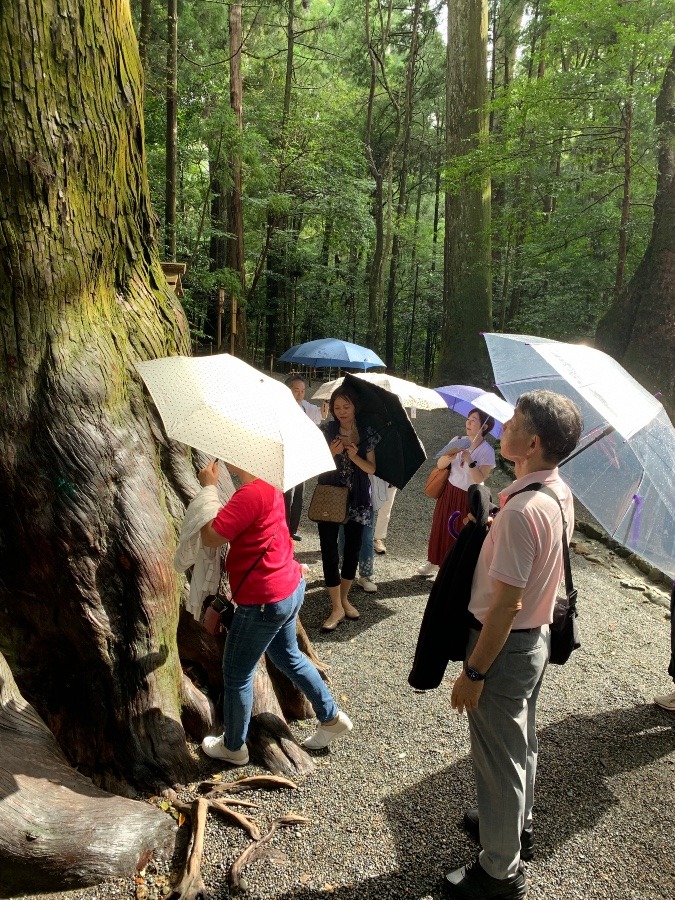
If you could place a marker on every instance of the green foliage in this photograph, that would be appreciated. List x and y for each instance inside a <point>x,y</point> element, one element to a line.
<point>555,156</point>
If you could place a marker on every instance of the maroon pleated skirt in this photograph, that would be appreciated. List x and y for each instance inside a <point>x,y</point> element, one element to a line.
<point>440,540</point>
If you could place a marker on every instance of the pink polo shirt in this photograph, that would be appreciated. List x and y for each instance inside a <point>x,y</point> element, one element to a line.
<point>524,549</point>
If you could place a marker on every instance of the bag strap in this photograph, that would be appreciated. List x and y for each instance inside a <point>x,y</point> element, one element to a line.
<point>251,568</point>
<point>570,590</point>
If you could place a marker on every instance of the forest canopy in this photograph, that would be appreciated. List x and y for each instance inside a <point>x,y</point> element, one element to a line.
<point>343,135</point>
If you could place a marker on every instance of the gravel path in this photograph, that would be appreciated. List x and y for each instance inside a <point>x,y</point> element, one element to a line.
<point>385,804</point>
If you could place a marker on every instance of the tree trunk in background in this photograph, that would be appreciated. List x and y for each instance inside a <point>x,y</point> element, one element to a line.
<point>235,215</point>
<point>145,31</point>
<point>467,293</point>
<point>171,128</point>
<point>627,119</point>
<point>402,186</point>
<point>639,328</point>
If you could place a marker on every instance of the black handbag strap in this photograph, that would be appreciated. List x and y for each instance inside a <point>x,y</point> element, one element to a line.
<point>570,590</point>
<point>251,568</point>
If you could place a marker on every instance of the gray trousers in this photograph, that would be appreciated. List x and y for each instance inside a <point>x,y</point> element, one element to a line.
<point>504,747</point>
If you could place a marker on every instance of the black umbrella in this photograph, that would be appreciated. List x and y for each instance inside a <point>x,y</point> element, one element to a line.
<point>400,452</point>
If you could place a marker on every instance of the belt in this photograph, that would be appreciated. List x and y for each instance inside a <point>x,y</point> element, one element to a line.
<point>478,626</point>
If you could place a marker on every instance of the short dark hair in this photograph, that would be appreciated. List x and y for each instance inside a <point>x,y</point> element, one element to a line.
<point>487,423</point>
<point>343,391</point>
<point>294,377</point>
<point>555,419</point>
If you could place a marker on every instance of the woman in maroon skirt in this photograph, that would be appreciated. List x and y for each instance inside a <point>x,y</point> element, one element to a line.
<point>467,467</point>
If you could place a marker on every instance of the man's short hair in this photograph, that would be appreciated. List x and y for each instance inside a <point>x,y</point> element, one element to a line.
<point>294,377</point>
<point>555,419</point>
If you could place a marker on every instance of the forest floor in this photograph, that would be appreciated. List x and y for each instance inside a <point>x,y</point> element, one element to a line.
<point>385,804</point>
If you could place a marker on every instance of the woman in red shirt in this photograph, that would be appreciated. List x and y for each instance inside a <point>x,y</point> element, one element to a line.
<point>268,588</point>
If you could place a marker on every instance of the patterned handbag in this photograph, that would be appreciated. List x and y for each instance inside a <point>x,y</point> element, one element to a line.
<point>328,504</point>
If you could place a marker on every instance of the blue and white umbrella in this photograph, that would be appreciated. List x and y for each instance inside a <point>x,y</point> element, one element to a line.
<point>331,353</point>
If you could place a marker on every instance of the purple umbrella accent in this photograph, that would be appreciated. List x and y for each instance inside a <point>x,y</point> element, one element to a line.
<point>637,517</point>
<point>451,524</point>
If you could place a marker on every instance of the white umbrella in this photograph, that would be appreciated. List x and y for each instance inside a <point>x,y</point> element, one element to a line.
<point>409,393</point>
<point>226,408</point>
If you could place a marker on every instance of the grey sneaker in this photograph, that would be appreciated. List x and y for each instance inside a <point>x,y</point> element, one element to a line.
<point>326,734</point>
<point>215,748</point>
<point>666,701</point>
<point>366,584</point>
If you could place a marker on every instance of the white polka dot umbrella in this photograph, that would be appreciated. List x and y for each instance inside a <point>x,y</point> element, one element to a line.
<point>226,408</point>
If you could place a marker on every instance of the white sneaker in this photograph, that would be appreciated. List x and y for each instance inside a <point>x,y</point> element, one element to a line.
<point>326,734</point>
<point>366,584</point>
<point>666,701</point>
<point>427,569</point>
<point>215,747</point>
<point>378,546</point>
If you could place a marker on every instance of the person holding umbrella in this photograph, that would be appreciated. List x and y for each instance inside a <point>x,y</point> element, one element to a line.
<point>467,466</point>
<point>352,444</point>
<point>269,588</point>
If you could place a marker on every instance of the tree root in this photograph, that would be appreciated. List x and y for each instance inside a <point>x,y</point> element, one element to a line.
<point>191,885</point>
<point>252,783</point>
<point>261,850</point>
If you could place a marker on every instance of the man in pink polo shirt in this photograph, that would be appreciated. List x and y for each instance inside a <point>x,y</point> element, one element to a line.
<point>512,596</point>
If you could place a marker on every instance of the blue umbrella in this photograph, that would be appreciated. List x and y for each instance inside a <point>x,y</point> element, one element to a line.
<point>624,468</point>
<point>462,398</point>
<point>332,353</point>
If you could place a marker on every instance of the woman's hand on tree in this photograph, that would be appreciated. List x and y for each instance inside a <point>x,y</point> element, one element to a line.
<point>209,474</point>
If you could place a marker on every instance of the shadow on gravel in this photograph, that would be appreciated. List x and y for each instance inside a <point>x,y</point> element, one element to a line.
<point>577,756</point>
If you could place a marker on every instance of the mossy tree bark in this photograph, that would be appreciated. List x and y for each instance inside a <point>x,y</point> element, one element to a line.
<point>639,328</point>
<point>88,487</point>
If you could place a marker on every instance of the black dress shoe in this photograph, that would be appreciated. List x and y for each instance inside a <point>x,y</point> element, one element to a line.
<point>296,537</point>
<point>472,882</point>
<point>526,835</point>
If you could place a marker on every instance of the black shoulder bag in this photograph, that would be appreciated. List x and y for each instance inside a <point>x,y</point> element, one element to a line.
<point>223,601</point>
<point>564,628</point>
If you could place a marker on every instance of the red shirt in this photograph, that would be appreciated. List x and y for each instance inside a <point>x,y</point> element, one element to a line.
<point>254,516</point>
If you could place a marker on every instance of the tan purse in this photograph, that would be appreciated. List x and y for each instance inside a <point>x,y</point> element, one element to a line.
<point>328,504</point>
<point>436,482</point>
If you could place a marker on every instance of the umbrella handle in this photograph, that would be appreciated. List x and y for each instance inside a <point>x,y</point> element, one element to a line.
<point>451,524</point>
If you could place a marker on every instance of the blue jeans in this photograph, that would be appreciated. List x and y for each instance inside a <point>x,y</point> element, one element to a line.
<point>367,552</point>
<point>267,627</point>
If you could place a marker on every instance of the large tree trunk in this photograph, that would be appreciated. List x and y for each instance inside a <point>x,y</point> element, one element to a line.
<point>40,794</point>
<point>467,291</point>
<point>639,328</point>
<point>88,599</point>
<point>91,490</point>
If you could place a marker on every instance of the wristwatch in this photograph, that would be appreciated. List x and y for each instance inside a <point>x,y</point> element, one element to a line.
<point>473,674</point>
<point>473,464</point>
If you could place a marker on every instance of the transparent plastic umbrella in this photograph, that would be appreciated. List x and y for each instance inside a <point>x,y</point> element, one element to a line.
<point>624,468</point>
<point>226,408</point>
